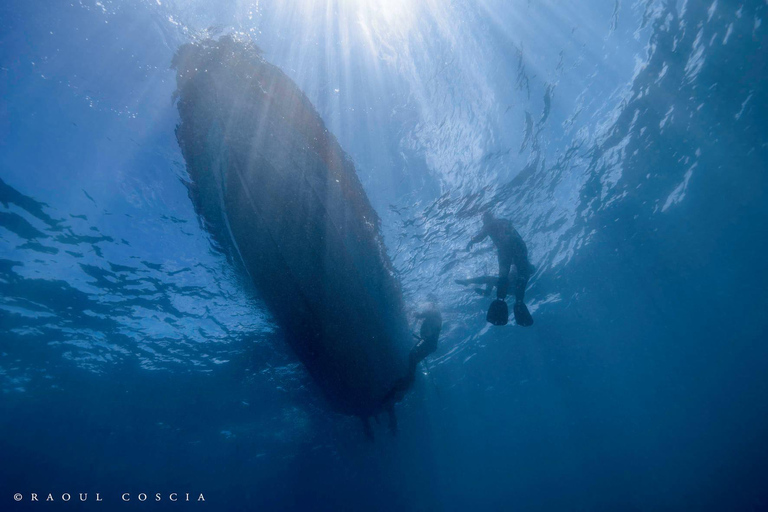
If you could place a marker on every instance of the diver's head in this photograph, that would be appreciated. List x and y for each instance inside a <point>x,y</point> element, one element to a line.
<point>487,217</point>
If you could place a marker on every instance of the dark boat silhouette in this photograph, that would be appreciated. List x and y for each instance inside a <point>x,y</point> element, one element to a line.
<point>283,200</point>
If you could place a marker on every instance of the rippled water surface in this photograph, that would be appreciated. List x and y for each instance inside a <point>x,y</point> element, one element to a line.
<point>625,140</point>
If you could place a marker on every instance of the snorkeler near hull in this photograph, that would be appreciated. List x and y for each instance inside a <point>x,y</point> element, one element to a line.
<point>429,333</point>
<point>511,251</point>
<point>284,203</point>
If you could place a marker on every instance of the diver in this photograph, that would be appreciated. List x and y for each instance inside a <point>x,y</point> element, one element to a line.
<point>431,324</point>
<point>511,251</point>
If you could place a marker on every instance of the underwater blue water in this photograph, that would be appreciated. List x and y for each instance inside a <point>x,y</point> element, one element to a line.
<point>625,140</point>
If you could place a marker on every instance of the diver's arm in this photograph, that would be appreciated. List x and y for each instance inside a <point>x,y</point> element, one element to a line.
<point>478,237</point>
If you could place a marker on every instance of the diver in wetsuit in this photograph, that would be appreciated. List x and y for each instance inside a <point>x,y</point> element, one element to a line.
<point>511,251</point>
<point>431,324</point>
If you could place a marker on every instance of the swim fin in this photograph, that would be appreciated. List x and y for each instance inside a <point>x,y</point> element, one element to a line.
<point>522,315</point>
<point>498,313</point>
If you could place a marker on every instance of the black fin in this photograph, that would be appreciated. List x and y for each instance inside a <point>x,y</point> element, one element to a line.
<point>498,313</point>
<point>522,315</point>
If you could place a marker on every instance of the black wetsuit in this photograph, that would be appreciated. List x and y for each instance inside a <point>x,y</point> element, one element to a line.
<point>430,331</point>
<point>511,250</point>
<point>432,323</point>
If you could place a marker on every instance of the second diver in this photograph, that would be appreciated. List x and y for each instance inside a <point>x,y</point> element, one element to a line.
<point>511,251</point>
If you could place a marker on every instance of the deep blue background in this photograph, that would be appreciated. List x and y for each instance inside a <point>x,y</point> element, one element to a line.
<point>627,143</point>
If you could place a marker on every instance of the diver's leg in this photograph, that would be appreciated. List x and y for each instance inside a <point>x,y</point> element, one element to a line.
<point>422,349</point>
<point>418,353</point>
<point>520,285</point>
<point>505,262</point>
<point>521,282</point>
<point>413,359</point>
<point>522,315</point>
<point>397,392</point>
<point>401,385</point>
